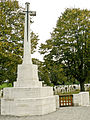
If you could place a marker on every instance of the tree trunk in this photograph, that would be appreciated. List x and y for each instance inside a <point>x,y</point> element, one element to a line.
<point>82,86</point>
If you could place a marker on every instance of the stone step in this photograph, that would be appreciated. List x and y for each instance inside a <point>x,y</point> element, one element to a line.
<point>15,93</point>
<point>23,107</point>
<point>28,83</point>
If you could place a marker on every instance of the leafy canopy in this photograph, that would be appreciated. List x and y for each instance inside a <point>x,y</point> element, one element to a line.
<point>70,44</point>
<point>11,39</point>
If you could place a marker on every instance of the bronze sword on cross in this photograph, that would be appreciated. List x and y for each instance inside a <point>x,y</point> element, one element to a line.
<point>31,13</point>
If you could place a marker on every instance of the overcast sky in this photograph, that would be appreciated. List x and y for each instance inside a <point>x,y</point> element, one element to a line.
<point>47,13</point>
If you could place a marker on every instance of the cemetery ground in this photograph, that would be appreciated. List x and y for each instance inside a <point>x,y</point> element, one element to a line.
<point>63,113</point>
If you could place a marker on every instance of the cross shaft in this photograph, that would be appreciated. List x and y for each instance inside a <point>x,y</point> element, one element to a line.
<point>31,13</point>
<point>27,41</point>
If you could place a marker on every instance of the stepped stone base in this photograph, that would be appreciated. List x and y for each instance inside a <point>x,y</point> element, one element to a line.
<point>28,97</point>
<point>19,93</point>
<point>28,101</point>
<point>29,106</point>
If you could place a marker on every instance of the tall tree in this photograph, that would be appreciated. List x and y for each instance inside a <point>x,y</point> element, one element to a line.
<point>70,44</point>
<point>11,39</point>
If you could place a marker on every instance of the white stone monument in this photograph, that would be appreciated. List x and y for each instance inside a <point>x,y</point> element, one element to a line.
<point>81,99</point>
<point>28,97</point>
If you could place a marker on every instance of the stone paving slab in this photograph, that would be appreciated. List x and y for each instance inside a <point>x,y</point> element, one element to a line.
<point>64,113</point>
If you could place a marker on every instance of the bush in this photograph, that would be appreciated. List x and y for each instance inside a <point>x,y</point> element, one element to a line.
<point>5,85</point>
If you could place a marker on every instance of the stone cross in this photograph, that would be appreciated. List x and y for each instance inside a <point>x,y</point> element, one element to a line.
<point>27,42</point>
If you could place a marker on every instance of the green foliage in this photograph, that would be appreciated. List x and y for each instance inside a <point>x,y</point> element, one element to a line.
<point>5,85</point>
<point>34,42</point>
<point>50,73</point>
<point>42,72</point>
<point>11,40</point>
<point>70,44</point>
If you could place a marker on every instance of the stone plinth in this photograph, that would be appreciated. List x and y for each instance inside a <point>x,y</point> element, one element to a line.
<point>28,101</point>
<point>28,97</point>
<point>20,93</point>
<point>27,72</point>
<point>27,76</point>
<point>25,107</point>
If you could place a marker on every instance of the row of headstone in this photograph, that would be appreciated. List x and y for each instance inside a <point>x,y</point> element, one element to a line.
<point>69,88</point>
